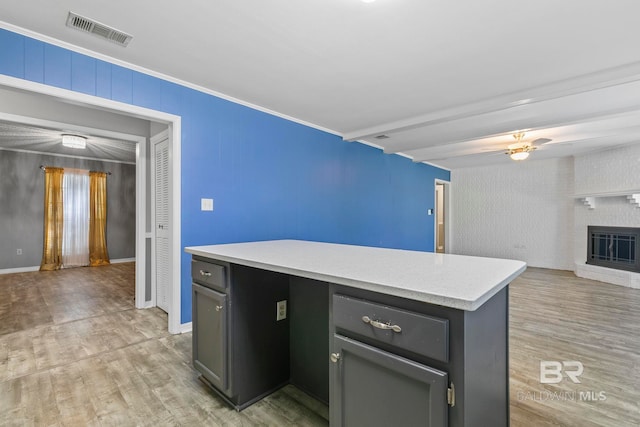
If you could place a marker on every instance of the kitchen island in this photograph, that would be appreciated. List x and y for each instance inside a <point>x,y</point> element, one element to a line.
<point>381,335</point>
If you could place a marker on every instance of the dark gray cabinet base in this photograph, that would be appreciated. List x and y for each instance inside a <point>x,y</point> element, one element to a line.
<point>476,361</point>
<point>380,378</point>
<point>210,335</point>
<point>375,388</point>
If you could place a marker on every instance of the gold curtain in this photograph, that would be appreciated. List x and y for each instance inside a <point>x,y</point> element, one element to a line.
<point>98,254</point>
<point>53,220</point>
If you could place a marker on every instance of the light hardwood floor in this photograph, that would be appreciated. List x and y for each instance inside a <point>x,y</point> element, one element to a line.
<point>555,316</point>
<point>74,351</point>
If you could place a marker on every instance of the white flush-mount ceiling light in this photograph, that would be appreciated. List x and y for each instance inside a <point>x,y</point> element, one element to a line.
<point>367,1</point>
<point>74,141</point>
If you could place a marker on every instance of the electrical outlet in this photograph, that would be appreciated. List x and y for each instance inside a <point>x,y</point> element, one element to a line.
<point>18,251</point>
<point>281,310</point>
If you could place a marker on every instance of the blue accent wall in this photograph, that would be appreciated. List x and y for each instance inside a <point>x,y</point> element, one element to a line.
<point>270,178</point>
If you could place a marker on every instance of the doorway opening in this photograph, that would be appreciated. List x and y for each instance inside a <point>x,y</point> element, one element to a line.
<point>441,222</point>
<point>144,293</point>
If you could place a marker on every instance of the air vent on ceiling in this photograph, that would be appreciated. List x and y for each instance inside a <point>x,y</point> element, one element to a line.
<point>90,26</point>
<point>382,137</point>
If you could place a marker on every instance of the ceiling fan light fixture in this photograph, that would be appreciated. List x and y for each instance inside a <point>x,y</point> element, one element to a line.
<point>518,155</point>
<point>74,141</point>
<point>520,150</point>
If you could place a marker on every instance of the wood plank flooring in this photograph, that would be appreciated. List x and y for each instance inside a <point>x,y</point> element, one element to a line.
<point>555,316</point>
<point>74,351</point>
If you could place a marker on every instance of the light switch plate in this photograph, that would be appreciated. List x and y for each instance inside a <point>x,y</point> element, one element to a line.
<point>206,204</point>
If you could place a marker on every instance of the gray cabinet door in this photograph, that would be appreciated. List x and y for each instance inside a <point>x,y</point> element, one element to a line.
<point>371,387</point>
<point>210,335</point>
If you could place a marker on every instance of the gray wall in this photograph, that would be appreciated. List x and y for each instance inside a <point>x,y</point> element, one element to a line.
<point>22,205</point>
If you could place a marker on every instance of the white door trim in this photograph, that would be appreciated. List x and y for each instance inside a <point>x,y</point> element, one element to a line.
<point>447,216</point>
<point>175,127</point>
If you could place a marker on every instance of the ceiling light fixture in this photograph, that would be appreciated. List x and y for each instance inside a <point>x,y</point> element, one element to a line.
<point>518,154</point>
<point>74,141</point>
<point>520,150</point>
<point>367,1</point>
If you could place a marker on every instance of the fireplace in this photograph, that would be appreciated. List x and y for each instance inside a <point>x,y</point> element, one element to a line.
<point>614,247</point>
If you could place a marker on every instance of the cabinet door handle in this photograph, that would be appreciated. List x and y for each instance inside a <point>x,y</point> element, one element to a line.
<point>380,325</point>
<point>335,357</point>
<point>205,273</point>
<point>219,307</point>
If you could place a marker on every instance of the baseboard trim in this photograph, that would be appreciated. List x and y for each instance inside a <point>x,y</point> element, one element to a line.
<point>146,305</point>
<point>19,270</point>
<point>37,267</point>
<point>122,260</point>
<point>186,327</point>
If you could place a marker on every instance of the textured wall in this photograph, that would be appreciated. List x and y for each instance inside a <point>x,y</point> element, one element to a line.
<point>520,211</point>
<point>22,206</point>
<point>606,171</point>
<point>610,170</point>
<point>270,178</point>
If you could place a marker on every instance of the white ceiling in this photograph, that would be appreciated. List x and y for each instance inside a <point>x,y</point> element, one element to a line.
<point>36,122</point>
<point>447,81</point>
<point>18,136</point>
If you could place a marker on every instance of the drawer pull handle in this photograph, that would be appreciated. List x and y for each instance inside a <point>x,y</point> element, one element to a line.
<point>380,325</point>
<point>205,273</point>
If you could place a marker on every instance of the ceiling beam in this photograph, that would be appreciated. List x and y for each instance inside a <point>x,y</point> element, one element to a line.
<point>564,88</point>
<point>576,108</point>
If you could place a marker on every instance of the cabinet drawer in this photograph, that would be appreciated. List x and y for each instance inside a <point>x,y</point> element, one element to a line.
<point>210,274</point>
<point>421,334</point>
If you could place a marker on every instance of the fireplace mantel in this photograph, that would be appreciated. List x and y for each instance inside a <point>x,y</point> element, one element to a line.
<point>589,199</point>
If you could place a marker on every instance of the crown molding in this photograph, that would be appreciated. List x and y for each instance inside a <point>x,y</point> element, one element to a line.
<point>143,70</point>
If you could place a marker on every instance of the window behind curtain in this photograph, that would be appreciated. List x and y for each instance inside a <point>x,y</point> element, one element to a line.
<point>75,233</point>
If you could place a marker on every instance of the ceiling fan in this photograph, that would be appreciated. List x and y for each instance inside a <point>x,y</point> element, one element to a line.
<point>520,149</point>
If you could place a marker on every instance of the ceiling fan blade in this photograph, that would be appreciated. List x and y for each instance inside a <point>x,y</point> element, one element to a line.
<point>540,141</point>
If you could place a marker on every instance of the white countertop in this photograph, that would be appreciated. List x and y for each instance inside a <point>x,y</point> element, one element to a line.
<point>455,281</point>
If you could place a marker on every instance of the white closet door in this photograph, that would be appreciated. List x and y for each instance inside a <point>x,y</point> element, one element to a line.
<point>162,247</point>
